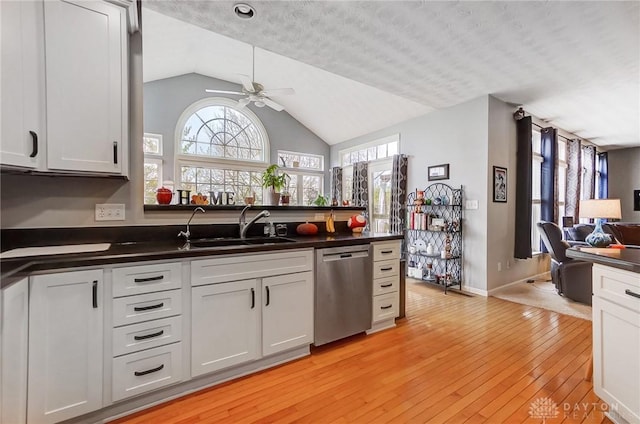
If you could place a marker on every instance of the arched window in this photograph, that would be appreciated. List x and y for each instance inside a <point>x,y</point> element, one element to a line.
<point>220,148</point>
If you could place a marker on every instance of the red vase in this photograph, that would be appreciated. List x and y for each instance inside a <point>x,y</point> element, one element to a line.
<point>163,196</point>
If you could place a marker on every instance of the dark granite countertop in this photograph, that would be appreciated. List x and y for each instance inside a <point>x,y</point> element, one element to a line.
<point>627,258</point>
<point>12,270</point>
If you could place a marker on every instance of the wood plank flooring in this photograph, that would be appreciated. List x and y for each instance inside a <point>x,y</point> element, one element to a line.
<point>453,359</point>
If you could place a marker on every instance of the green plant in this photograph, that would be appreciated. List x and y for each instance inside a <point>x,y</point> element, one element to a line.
<point>272,178</point>
<point>321,201</point>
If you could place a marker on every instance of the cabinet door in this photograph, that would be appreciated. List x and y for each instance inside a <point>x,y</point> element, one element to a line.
<point>65,345</point>
<point>616,349</point>
<point>22,78</point>
<point>287,312</point>
<point>86,72</point>
<point>15,338</point>
<point>224,325</point>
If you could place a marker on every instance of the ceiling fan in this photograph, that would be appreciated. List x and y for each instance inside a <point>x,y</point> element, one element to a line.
<point>255,92</point>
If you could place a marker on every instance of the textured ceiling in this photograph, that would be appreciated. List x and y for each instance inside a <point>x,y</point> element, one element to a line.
<point>574,64</point>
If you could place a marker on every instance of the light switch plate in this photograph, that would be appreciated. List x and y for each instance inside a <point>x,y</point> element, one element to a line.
<point>110,212</point>
<point>471,204</point>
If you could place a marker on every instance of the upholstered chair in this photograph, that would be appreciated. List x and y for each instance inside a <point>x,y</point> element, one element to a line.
<point>571,277</point>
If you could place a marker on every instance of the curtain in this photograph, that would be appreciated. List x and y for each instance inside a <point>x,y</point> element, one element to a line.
<point>603,168</point>
<point>574,172</point>
<point>361,187</point>
<point>548,182</point>
<point>588,172</point>
<point>336,184</point>
<point>522,247</point>
<point>398,194</point>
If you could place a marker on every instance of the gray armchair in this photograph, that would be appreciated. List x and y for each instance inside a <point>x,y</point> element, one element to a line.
<point>571,277</point>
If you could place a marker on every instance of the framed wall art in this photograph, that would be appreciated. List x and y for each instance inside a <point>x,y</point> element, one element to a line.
<point>636,200</point>
<point>438,172</point>
<point>499,184</point>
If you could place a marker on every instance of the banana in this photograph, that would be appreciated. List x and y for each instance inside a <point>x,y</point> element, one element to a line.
<point>330,224</point>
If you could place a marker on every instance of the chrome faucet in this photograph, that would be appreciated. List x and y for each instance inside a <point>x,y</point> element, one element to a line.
<point>187,234</point>
<point>245,226</point>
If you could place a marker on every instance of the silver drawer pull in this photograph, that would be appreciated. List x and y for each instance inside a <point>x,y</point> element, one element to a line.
<point>387,285</point>
<point>139,373</point>
<point>146,280</point>
<point>630,293</point>
<point>386,307</point>
<point>149,336</point>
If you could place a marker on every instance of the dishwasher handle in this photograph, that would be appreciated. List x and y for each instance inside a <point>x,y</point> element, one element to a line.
<point>343,256</point>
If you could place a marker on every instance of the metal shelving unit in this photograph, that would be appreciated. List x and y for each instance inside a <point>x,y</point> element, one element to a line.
<point>440,204</point>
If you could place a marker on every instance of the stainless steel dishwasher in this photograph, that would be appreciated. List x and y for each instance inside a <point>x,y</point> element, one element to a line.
<point>344,289</point>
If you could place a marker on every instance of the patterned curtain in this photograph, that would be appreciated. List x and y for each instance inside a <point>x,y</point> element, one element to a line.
<point>574,182</point>
<point>361,187</point>
<point>398,194</point>
<point>336,184</point>
<point>588,172</point>
<point>603,168</point>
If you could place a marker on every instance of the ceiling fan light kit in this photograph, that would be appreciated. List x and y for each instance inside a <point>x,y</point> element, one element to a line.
<point>255,92</point>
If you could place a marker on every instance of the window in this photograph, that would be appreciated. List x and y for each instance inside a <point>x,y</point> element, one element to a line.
<point>152,148</point>
<point>380,195</point>
<point>376,150</point>
<point>221,149</point>
<point>307,176</point>
<point>536,196</point>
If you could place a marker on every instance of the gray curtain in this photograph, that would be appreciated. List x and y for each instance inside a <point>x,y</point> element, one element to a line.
<point>574,172</point>
<point>336,184</point>
<point>361,187</point>
<point>588,172</point>
<point>398,194</point>
<point>522,246</point>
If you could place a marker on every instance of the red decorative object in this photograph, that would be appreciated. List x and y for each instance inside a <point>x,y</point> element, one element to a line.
<point>357,223</point>
<point>163,196</point>
<point>307,229</point>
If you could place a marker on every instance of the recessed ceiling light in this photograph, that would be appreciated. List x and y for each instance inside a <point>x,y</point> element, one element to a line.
<point>244,11</point>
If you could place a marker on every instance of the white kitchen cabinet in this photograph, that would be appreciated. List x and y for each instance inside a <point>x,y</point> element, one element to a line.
<point>386,282</point>
<point>86,86</point>
<point>65,345</point>
<point>14,351</point>
<point>22,100</point>
<point>616,341</point>
<point>287,312</point>
<point>224,325</point>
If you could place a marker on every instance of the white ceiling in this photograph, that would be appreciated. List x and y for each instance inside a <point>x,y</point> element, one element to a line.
<point>359,66</point>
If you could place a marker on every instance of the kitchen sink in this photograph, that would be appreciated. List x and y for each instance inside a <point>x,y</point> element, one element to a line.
<point>226,243</point>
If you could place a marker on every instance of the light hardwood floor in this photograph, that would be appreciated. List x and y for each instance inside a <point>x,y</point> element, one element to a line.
<point>454,359</point>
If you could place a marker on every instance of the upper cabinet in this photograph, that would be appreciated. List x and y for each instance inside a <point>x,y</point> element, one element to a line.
<point>76,75</point>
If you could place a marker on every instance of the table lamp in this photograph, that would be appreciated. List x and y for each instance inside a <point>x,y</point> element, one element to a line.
<point>600,209</point>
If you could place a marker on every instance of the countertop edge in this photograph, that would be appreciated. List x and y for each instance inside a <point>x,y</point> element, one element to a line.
<point>13,270</point>
<point>620,263</point>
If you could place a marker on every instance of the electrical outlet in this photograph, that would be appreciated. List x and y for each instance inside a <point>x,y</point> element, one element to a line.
<point>499,266</point>
<point>110,212</point>
<point>508,264</point>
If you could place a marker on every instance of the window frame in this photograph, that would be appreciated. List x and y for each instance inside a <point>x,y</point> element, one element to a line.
<point>156,159</point>
<point>394,138</point>
<point>301,172</point>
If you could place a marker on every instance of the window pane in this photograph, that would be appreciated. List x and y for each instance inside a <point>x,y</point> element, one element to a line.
<point>562,150</point>
<point>392,148</point>
<point>535,179</point>
<point>535,142</point>
<point>151,182</point>
<point>381,201</point>
<point>372,153</point>
<point>382,151</point>
<point>152,143</point>
<point>347,183</point>
<point>311,188</point>
<point>562,182</point>
<point>535,218</point>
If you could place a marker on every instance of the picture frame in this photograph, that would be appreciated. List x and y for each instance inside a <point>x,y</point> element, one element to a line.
<point>499,184</point>
<point>636,200</point>
<point>438,172</point>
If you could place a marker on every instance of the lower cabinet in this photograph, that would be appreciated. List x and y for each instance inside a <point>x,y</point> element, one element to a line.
<point>65,345</point>
<point>224,325</point>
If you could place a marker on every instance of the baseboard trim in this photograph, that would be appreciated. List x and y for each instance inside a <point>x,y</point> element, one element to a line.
<point>544,275</point>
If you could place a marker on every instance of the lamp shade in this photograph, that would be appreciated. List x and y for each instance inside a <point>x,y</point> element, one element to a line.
<point>600,208</point>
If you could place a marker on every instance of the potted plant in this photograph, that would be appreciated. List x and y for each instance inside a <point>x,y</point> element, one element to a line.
<point>275,181</point>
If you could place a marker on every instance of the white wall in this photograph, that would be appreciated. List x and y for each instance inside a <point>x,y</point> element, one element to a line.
<point>471,137</point>
<point>624,177</point>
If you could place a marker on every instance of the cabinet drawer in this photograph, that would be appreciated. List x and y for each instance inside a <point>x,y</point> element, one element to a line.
<point>146,279</point>
<point>151,369</point>
<point>385,306</point>
<point>145,335</point>
<point>385,285</point>
<point>386,250</point>
<point>385,269</point>
<point>145,307</point>
<point>617,285</point>
<point>242,267</point>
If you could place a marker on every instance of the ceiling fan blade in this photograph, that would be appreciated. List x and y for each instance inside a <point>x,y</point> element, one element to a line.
<point>208,90</point>
<point>278,92</point>
<point>243,102</point>
<point>247,84</point>
<point>273,105</point>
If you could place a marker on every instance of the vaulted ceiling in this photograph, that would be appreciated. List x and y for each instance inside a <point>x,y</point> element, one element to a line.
<point>360,66</point>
